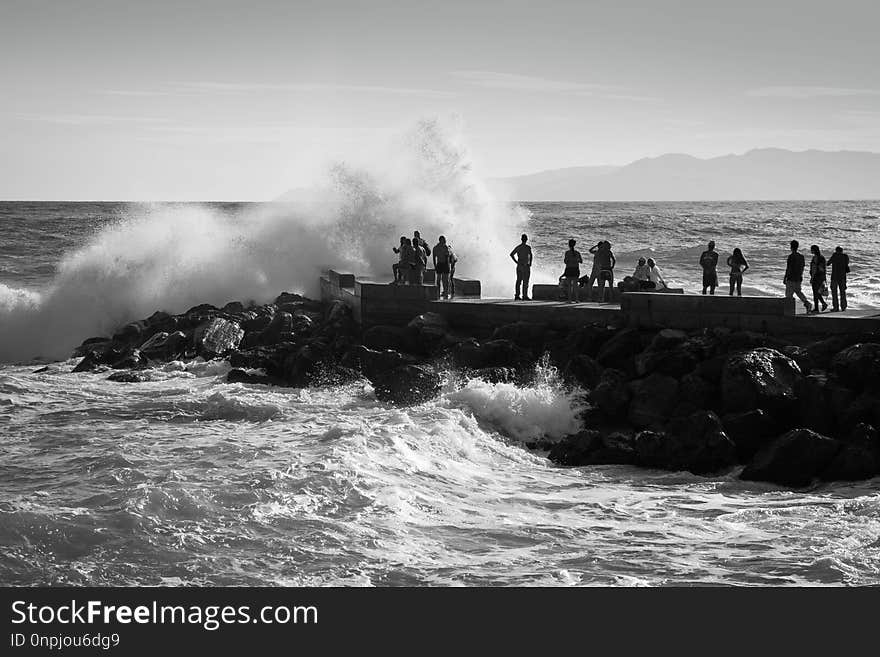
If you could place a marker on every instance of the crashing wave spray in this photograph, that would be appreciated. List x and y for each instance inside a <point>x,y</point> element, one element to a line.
<point>172,257</point>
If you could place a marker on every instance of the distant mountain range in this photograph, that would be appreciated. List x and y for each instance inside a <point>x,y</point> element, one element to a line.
<point>762,174</point>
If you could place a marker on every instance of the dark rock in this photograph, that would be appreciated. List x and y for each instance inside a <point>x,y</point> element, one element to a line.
<point>584,371</point>
<point>527,335</point>
<point>130,333</point>
<point>164,346</point>
<point>374,363</point>
<point>430,328</point>
<point>91,361</point>
<point>619,352</point>
<point>750,431</point>
<point>696,443</point>
<point>233,308</point>
<point>42,370</point>
<point>801,356</point>
<point>823,352</point>
<point>268,358</point>
<point>128,377</point>
<point>674,361</point>
<point>407,384</point>
<point>132,360</point>
<point>494,353</point>
<point>760,378</point>
<point>258,321</point>
<point>858,366</point>
<point>864,409</point>
<point>794,459</point>
<point>280,329</point>
<point>240,376</point>
<point>302,367</point>
<point>711,369</point>
<point>592,448</point>
<point>852,463</point>
<point>217,338</point>
<point>814,406</point>
<point>652,401</point>
<point>392,337</point>
<point>333,374</point>
<point>90,345</point>
<point>694,394</point>
<point>612,394</point>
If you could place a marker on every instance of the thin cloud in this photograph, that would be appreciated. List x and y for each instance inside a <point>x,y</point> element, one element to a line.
<point>529,83</point>
<point>805,92</point>
<point>234,88</point>
<point>91,119</point>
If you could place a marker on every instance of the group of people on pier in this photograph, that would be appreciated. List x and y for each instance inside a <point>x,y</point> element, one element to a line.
<point>413,255</point>
<point>794,275</point>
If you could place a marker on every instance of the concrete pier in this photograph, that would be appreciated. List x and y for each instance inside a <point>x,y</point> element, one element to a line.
<point>375,302</point>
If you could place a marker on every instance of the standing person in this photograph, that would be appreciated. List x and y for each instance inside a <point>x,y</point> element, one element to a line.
<point>818,279</point>
<point>572,272</point>
<point>839,262</point>
<point>522,256</point>
<point>738,266</point>
<point>452,260</point>
<point>442,265</point>
<point>407,253</point>
<point>605,262</point>
<point>399,267</point>
<point>655,275</point>
<point>420,252</point>
<point>709,263</point>
<point>594,272</point>
<point>794,275</point>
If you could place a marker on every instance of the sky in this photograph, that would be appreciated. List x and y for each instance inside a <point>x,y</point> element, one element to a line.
<point>218,100</point>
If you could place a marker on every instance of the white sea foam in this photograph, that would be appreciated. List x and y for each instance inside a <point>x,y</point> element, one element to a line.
<point>172,257</point>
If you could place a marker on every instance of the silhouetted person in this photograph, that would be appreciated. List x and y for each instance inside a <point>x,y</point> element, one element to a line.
<point>398,267</point>
<point>605,262</point>
<point>642,272</point>
<point>594,272</point>
<point>794,275</point>
<point>655,275</point>
<point>572,272</point>
<point>839,262</point>
<point>420,253</point>
<point>452,260</point>
<point>738,266</point>
<point>522,256</point>
<point>407,255</point>
<point>818,280</point>
<point>709,263</point>
<point>442,265</point>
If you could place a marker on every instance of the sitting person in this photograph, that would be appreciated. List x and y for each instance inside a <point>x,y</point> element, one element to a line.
<point>655,276</point>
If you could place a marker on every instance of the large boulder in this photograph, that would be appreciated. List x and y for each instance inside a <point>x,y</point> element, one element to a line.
<point>619,352</point>
<point>165,346</point>
<point>858,459</point>
<point>612,394</point>
<point>430,328</point>
<point>280,329</point>
<point>858,366</point>
<point>375,363</point>
<point>407,384</point>
<point>594,448</point>
<point>695,394</point>
<point>584,371</point>
<point>217,337</point>
<point>494,353</point>
<point>652,401</point>
<point>132,359</point>
<point>397,338</point>
<point>822,352</point>
<point>676,361</point>
<point>696,443</point>
<point>760,378</point>
<point>750,431</point>
<point>528,335</point>
<point>794,459</point>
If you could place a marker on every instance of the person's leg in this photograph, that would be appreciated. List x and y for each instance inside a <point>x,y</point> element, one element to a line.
<point>835,302</point>
<point>799,293</point>
<point>601,282</point>
<point>732,284</point>
<point>445,280</point>
<point>739,286</point>
<point>527,274</point>
<point>577,289</point>
<point>420,276</point>
<point>451,282</point>
<point>518,283</point>
<point>842,295</point>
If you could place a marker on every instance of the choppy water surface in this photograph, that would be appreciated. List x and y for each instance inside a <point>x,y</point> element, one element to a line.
<point>187,479</point>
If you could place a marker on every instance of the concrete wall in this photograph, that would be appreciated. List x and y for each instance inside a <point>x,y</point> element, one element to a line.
<point>685,311</point>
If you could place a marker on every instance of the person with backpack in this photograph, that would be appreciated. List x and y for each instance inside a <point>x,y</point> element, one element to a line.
<point>839,262</point>
<point>794,275</point>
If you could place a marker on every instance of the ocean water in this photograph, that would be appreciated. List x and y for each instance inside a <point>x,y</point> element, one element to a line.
<point>187,479</point>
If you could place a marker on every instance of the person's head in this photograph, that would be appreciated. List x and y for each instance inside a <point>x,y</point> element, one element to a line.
<point>571,243</point>
<point>407,241</point>
<point>737,253</point>
<point>712,245</point>
<point>416,235</point>
<point>814,249</point>
<point>795,245</point>
<point>641,261</point>
<point>524,238</point>
<point>403,239</point>
<point>839,249</point>
<point>651,263</point>
<point>441,239</point>
<point>607,245</point>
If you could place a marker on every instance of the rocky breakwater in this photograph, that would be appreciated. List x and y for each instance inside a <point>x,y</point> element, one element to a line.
<point>790,411</point>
